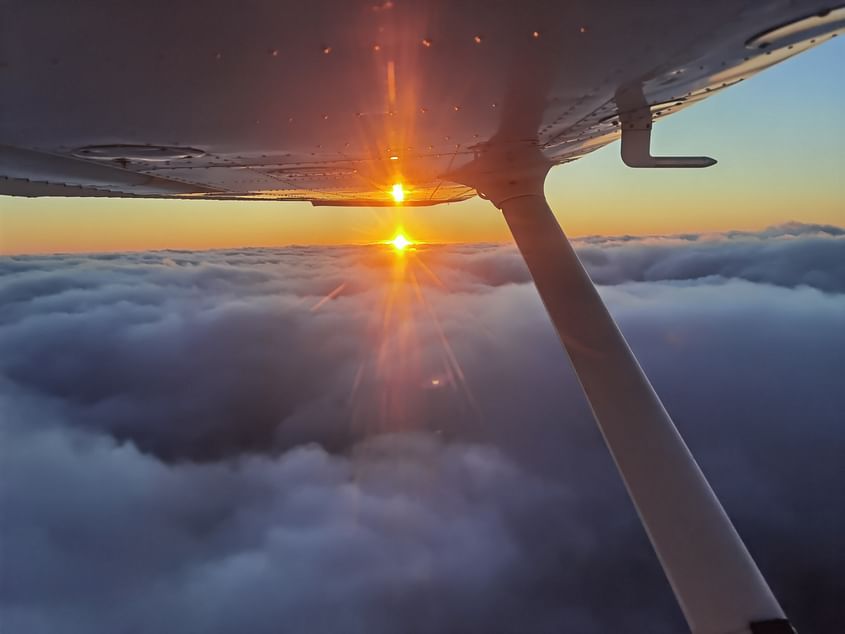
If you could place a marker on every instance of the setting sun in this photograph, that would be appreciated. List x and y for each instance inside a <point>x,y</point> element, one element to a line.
<point>400,242</point>
<point>398,193</point>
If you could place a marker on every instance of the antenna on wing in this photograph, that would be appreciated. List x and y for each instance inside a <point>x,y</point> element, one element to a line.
<point>636,120</point>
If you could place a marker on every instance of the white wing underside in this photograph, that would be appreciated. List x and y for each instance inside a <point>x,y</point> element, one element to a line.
<point>332,101</point>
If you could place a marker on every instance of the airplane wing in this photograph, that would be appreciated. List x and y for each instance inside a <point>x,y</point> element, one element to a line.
<point>335,101</point>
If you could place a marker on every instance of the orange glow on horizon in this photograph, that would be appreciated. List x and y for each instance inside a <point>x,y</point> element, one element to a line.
<point>63,225</point>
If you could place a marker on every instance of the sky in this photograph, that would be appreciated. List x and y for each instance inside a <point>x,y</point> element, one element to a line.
<point>345,439</point>
<point>778,137</point>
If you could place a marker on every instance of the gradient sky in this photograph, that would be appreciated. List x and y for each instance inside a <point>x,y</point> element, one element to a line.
<point>778,138</point>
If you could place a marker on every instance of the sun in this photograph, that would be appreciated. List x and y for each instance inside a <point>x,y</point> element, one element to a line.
<point>400,242</point>
<point>398,193</point>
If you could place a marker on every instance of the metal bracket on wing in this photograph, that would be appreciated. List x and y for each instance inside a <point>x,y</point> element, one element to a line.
<point>635,118</point>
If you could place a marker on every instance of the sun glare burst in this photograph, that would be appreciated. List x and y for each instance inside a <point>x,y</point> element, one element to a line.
<point>398,193</point>
<point>400,242</point>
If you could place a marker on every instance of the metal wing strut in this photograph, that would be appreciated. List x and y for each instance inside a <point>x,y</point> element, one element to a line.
<point>718,585</point>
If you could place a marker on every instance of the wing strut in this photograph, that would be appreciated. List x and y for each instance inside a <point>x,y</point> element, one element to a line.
<point>717,583</point>
<point>714,578</point>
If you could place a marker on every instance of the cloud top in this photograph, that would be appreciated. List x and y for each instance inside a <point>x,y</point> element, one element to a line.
<point>337,439</point>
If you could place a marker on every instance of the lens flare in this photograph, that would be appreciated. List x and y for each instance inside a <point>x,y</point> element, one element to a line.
<point>398,193</point>
<point>412,367</point>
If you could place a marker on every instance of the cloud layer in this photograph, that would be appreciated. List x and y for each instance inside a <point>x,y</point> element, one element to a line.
<point>338,440</point>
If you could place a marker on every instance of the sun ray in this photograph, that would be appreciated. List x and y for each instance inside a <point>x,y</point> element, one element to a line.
<point>334,293</point>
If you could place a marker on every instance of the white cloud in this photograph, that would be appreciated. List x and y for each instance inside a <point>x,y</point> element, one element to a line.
<point>189,446</point>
